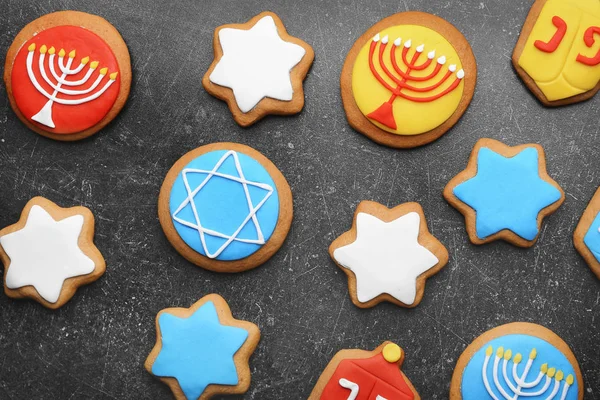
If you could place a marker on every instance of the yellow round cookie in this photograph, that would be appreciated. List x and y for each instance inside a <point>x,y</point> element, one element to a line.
<point>404,100</point>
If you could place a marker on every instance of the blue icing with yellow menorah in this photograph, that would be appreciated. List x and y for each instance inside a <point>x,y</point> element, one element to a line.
<point>519,366</point>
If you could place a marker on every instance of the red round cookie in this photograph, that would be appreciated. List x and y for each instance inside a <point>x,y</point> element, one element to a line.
<point>67,74</point>
<point>89,48</point>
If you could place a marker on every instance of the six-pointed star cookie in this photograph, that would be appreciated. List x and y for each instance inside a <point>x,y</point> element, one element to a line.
<point>49,253</point>
<point>258,69</point>
<point>587,234</point>
<point>504,193</point>
<point>388,254</point>
<point>238,177</point>
<point>202,350</point>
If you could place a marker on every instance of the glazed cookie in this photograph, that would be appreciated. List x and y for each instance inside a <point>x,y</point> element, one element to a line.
<point>557,55</point>
<point>365,375</point>
<point>203,351</point>
<point>587,234</point>
<point>49,253</point>
<point>518,360</point>
<point>258,69</point>
<point>388,254</point>
<point>408,79</point>
<point>225,207</point>
<point>67,74</point>
<point>504,193</point>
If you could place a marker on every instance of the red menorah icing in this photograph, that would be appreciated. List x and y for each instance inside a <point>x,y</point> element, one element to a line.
<point>402,77</point>
<point>66,79</point>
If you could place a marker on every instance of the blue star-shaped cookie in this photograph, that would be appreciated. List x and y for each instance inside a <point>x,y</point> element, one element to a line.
<point>198,350</point>
<point>507,193</point>
<point>586,237</point>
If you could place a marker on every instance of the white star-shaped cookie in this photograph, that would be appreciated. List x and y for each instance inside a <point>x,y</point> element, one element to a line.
<point>386,256</point>
<point>43,252</point>
<point>256,63</point>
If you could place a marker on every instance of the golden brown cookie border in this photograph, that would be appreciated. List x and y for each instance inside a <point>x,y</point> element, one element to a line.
<point>267,105</point>
<point>530,21</point>
<point>279,235</point>
<point>471,171</point>
<point>425,239</point>
<point>585,222</point>
<point>85,243</point>
<point>241,358</point>
<point>93,23</point>
<point>355,354</point>
<point>526,328</point>
<point>361,123</point>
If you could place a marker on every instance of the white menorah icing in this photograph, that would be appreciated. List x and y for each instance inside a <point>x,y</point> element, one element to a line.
<point>518,385</point>
<point>44,116</point>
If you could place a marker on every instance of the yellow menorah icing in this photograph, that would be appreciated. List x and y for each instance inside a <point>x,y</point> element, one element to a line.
<point>44,116</point>
<point>515,385</point>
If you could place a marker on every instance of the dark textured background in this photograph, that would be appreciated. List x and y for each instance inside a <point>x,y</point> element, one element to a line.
<point>94,347</point>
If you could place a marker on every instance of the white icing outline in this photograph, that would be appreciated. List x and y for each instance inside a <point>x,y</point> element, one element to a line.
<point>202,231</point>
<point>353,387</point>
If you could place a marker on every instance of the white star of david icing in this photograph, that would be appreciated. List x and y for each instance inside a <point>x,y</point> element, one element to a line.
<point>386,257</point>
<point>256,63</point>
<point>45,253</point>
<point>197,224</point>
